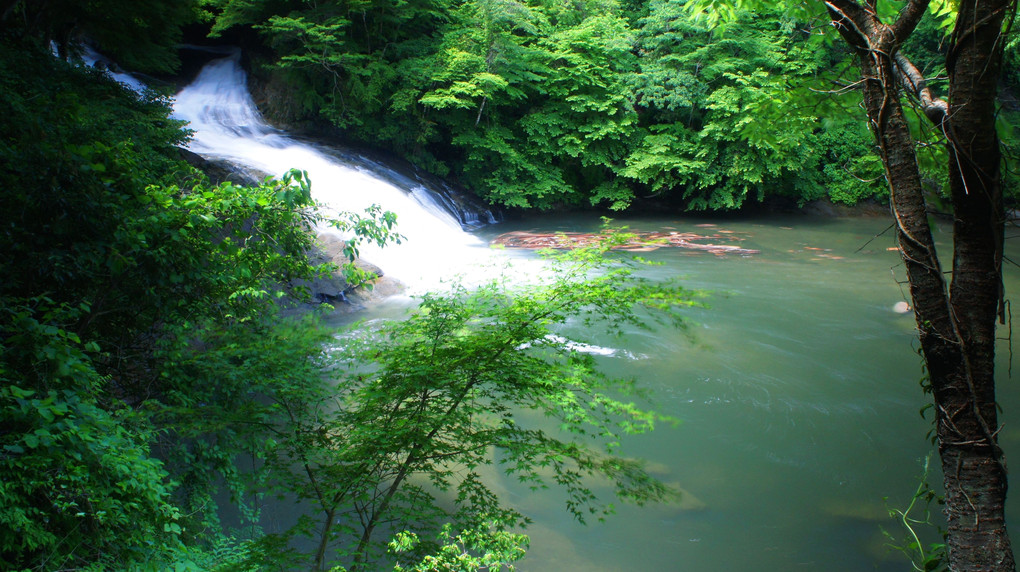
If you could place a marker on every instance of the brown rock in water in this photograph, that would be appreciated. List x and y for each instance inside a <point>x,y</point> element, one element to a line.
<point>639,242</point>
<point>333,289</point>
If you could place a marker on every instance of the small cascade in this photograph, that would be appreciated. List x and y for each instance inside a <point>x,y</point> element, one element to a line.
<point>93,58</point>
<point>469,213</point>
<point>431,192</point>
<point>228,126</point>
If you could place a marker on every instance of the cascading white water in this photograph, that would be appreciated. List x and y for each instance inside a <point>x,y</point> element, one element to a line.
<point>93,58</point>
<point>228,126</point>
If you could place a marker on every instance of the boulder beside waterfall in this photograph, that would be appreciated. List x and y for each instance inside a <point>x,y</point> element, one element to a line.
<point>334,289</point>
<point>221,171</point>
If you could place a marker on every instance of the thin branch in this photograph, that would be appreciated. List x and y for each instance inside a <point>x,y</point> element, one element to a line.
<point>872,239</point>
<point>908,19</point>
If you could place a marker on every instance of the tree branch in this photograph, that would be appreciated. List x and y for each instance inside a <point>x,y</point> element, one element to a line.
<point>935,108</point>
<point>908,19</point>
<point>846,16</point>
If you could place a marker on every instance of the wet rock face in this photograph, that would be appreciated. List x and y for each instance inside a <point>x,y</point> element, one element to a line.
<point>333,289</point>
<point>223,171</point>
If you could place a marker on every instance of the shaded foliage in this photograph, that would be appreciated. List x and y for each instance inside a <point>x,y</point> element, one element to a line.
<point>139,35</point>
<point>120,265</point>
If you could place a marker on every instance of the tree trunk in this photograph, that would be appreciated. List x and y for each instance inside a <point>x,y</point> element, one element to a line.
<point>320,552</point>
<point>956,325</point>
<point>975,473</point>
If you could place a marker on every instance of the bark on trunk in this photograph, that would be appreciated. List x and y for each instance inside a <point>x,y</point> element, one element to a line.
<point>956,324</point>
<point>975,472</point>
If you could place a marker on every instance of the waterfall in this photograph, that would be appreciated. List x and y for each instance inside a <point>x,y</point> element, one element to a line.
<point>228,126</point>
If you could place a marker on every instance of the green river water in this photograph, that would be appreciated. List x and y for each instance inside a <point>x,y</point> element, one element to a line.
<point>798,391</point>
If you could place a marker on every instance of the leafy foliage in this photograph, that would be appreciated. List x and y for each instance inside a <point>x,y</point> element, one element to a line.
<point>719,125</point>
<point>850,171</point>
<point>924,558</point>
<point>467,551</point>
<point>122,266</point>
<point>537,105</point>
<point>421,407</point>
<point>968,122</point>
<point>78,480</point>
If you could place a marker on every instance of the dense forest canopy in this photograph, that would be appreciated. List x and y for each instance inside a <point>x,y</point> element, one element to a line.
<point>544,104</point>
<point>142,350</point>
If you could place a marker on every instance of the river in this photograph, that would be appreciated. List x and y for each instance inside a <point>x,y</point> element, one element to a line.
<point>798,389</point>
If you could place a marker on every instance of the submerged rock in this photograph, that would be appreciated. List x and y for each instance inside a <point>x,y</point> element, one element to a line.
<point>637,242</point>
<point>687,502</point>
<point>855,509</point>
